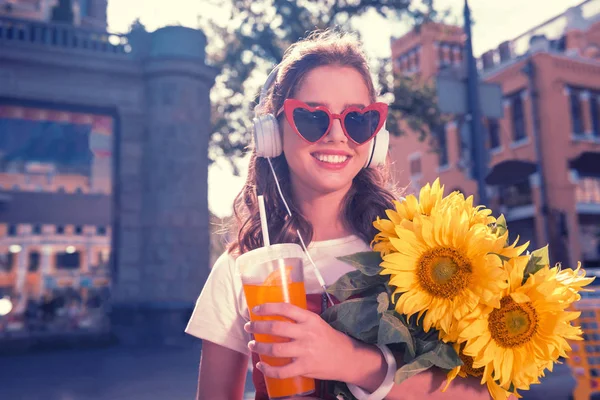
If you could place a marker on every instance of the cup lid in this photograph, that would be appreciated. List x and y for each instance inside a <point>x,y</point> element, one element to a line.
<point>270,253</point>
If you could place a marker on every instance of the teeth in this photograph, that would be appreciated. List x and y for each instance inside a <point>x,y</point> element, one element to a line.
<point>328,158</point>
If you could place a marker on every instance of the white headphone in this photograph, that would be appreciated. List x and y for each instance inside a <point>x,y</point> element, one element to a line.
<point>267,139</point>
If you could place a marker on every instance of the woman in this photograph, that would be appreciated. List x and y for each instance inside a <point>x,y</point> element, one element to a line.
<point>334,200</point>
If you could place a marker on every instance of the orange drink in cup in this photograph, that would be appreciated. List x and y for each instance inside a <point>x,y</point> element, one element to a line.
<point>274,274</point>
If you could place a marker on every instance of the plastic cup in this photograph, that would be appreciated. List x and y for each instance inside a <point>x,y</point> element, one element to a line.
<point>275,274</point>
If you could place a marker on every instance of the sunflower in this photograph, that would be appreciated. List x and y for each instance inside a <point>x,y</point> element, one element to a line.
<point>444,267</point>
<point>405,210</point>
<point>515,342</point>
<point>477,215</point>
<point>466,369</point>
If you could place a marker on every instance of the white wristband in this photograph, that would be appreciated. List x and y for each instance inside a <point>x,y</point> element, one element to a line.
<point>387,384</point>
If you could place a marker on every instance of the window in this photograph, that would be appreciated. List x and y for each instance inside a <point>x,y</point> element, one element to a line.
<point>6,262</point>
<point>417,59</point>
<point>518,118</point>
<point>576,113</point>
<point>60,229</point>
<point>68,260</point>
<point>12,230</point>
<point>494,133</point>
<point>441,60</point>
<point>34,261</point>
<point>78,230</point>
<point>442,147</point>
<point>100,230</point>
<point>595,115</point>
<point>37,229</point>
<point>415,166</point>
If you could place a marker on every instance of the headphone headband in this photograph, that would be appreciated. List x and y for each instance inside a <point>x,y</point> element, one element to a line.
<point>265,89</point>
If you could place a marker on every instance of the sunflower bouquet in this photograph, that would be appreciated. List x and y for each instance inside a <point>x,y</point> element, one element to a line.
<point>445,287</point>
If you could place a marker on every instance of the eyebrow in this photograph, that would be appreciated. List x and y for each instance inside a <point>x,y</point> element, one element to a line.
<point>316,103</point>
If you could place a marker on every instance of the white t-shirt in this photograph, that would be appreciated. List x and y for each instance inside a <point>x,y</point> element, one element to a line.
<point>221,312</point>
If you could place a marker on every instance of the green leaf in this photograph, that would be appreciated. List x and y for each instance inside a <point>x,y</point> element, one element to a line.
<point>501,225</point>
<point>538,259</point>
<point>393,329</point>
<point>442,355</point>
<point>366,262</point>
<point>354,283</point>
<point>383,301</point>
<point>356,317</point>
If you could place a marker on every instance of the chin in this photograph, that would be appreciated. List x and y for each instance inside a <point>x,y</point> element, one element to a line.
<point>331,186</point>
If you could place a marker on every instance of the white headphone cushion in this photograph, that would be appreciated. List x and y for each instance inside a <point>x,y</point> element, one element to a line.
<point>267,139</point>
<point>381,149</point>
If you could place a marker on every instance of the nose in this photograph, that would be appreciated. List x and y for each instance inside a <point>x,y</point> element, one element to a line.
<point>336,134</point>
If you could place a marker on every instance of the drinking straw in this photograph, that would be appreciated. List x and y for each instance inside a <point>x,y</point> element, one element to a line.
<point>263,221</point>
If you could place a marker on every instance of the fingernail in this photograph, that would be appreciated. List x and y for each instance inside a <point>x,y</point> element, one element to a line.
<point>248,327</point>
<point>256,309</point>
<point>251,344</point>
<point>259,366</point>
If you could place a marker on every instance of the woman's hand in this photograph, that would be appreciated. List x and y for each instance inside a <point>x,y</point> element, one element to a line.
<point>318,351</point>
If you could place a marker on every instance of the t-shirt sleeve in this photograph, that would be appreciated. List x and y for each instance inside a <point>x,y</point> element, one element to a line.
<point>217,316</point>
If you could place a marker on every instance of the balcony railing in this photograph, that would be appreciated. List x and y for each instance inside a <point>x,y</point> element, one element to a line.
<point>62,36</point>
<point>552,29</point>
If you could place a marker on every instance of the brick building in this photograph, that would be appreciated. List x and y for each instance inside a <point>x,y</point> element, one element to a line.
<point>544,153</point>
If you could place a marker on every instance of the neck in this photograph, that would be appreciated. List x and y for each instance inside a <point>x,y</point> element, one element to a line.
<point>324,212</point>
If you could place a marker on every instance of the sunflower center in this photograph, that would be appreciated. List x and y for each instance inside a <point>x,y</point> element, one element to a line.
<point>467,366</point>
<point>513,324</point>
<point>444,272</point>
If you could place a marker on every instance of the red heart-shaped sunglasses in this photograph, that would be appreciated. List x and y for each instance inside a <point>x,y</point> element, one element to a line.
<point>314,123</point>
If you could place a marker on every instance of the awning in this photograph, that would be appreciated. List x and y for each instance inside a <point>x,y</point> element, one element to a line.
<point>586,164</point>
<point>510,172</point>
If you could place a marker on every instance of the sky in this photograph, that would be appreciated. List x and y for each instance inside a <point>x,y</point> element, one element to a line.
<point>494,22</point>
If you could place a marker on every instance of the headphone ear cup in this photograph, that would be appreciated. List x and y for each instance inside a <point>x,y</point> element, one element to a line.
<point>267,140</point>
<point>379,149</point>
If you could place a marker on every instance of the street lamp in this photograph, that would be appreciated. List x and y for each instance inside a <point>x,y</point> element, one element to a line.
<point>478,150</point>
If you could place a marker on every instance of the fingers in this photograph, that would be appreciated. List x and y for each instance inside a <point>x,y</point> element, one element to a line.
<point>276,328</point>
<point>290,370</point>
<point>284,310</point>
<point>279,350</point>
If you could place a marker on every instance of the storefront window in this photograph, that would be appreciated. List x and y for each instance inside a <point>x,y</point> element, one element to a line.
<point>54,162</point>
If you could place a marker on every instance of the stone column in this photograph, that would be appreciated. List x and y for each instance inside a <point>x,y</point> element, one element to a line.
<point>164,255</point>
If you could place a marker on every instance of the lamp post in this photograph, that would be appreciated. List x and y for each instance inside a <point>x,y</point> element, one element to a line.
<point>478,150</point>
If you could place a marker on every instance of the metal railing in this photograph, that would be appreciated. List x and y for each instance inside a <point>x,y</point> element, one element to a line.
<point>553,29</point>
<point>62,36</point>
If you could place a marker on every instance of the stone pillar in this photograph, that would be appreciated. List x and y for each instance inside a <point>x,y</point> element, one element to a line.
<point>164,256</point>
<point>44,267</point>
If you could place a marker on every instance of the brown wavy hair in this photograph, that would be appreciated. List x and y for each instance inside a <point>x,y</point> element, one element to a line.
<point>371,192</point>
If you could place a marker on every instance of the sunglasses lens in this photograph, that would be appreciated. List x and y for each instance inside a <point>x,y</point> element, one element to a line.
<point>361,127</point>
<point>311,125</point>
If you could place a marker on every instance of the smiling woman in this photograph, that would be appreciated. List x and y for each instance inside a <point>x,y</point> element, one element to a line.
<point>321,127</point>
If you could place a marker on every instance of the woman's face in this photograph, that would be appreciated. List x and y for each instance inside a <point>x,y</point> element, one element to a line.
<point>331,164</point>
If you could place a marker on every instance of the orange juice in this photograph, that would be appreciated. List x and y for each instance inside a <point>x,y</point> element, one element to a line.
<point>273,292</point>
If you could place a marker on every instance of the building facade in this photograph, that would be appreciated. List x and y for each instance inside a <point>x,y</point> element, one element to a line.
<point>544,152</point>
<point>103,175</point>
